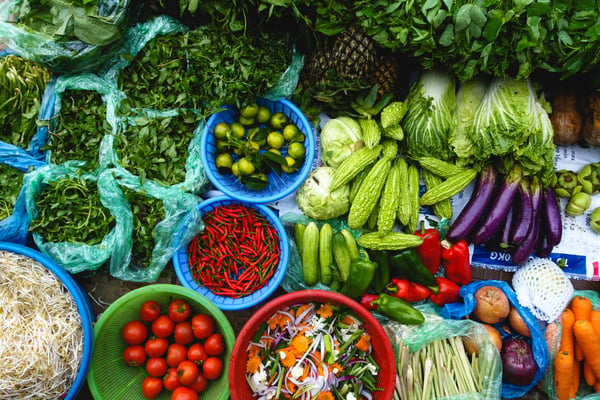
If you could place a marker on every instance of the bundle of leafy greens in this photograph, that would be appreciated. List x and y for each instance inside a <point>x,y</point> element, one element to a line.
<point>81,125</point>
<point>430,120</point>
<point>204,69</point>
<point>11,181</point>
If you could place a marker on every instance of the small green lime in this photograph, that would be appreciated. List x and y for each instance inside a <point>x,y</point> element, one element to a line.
<point>249,111</point>
<point>245,166</point>
<point>222,145</point>
<point>246,121</point>
<point>296,150</point>
<point>255,135</point>
<point>275,151</point>
<point>237,130</point>
<point>224,161</point>
<point>289,166</point>
<point>290,132</point>
<point>264,115</point>
<point>221,130</point>
<point>279,120</point>
<point>235,169</point>
<point>275,140</point>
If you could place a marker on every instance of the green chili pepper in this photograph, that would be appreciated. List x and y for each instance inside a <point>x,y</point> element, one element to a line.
<point>398,310</point>
<point>409,264</point>
<point>361,274</point>
<point>382,274</point>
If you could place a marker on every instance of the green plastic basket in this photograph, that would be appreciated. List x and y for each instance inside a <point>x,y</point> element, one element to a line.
<point>110,379</point>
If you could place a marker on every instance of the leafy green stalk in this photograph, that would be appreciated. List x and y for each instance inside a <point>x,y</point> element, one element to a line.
<point>11,181</point>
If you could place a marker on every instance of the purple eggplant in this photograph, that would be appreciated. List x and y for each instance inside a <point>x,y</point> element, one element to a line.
<point>543,248</point>
<point>524,218</point>
<point>477,205</point>
<point>500,206</point>
<point>522,252</point>
<point>505,235</point>
<point>552,220</point>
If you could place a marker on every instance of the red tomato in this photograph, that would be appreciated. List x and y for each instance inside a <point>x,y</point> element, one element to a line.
<point>179,310</point>
<point>170,380</point>
<point>203,325</point>
<point>214,345</point>
<point>135,355</point>
<point>163,326</point>
<point>156,366</point>
<point>212,368</point>
<point>149,311</point>
<point>151,387</point>
<point>134,332</point>
<point>183,333</point>
<point>187,371</point>
<point>176,354</point>
<point>156,347</point>
<point>196,353</point>
<point>200,384</point>
<point>184,393</point>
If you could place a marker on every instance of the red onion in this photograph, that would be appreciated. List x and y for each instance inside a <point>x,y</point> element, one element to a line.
<point>518,365</point>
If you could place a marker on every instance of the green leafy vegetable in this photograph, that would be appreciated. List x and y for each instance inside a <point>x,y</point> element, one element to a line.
<point>147,213</point>
<point>205,68</point>
<point>81,126</point>
<point>11,181</point>
<point>157,148</point>
<point>22,85</point>
<point>70,210</point>
<point>429,121</point>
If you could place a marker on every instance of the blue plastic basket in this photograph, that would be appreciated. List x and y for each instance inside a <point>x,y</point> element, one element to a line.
<point>280,185</point>
<point>182,269</point>
<point>82,301</point>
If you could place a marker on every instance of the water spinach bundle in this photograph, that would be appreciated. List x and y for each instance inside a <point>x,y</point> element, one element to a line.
<point>22,84</point>
<point>147,213</point>
<point>11,180</point>
<point>70,210</point>
<point>79,129</point>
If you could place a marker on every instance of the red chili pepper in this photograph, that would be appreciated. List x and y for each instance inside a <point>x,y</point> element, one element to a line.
<point>430,250</point>
<point>229,267</point>
<point>410,291</point>
<point>367,300</point>
<point>456,261</point>
<point>449,292</point>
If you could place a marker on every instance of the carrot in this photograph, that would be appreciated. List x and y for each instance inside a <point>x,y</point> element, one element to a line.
<point>563,374</point>
<point>587,337</point>
<point>576,379</point>
<point>582,309</point>
<point>588,374</point>
<point>566,334</point>
<point>595,320</point>
<point>597,385</point>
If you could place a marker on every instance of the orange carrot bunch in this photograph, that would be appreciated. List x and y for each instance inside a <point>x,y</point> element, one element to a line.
<point>579,352</point>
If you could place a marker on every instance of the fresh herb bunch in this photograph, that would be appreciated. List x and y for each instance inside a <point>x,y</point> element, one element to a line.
<point>11,181</point>
<point>204,69</point>
<point>70,210</point>
<point>157,148</point>
<point>80,128</point>
<point>147,213</point>
<point>22,84</point>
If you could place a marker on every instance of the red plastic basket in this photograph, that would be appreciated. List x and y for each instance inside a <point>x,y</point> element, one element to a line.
<point>382,348</point>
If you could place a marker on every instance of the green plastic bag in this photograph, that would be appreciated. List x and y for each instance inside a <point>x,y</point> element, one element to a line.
<point>435,328</point>
<point>585,392</point>
<point>181,218</point>
<point>78,257</point>
<point>66,37</point>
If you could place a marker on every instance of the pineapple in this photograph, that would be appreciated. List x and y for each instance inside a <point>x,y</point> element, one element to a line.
<point>353,53</point>
<point>385,73</point>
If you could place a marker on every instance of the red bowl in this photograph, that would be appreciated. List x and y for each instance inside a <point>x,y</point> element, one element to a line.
<point>382,348</point>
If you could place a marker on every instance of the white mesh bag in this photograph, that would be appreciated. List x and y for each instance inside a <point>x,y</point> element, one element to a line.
<point>543,287</point>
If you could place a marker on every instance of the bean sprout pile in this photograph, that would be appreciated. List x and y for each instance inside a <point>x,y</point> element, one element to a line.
<point>41,340</point>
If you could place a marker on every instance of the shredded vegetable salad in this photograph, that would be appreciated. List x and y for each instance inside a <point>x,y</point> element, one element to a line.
<point>312,351</point>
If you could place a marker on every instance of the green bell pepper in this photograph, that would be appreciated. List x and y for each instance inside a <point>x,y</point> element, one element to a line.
<point>409,264</point>
<point>382,274</point>
<point>362,271</point>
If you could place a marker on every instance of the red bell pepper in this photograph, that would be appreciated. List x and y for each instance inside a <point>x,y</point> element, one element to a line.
<point>456,261</point>
<point>367,300</point>
<point>449,292</point>
<point>430,250</point>
<point>410,291</point>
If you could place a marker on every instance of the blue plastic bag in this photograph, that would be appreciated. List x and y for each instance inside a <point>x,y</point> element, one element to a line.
<point>537,342</point>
